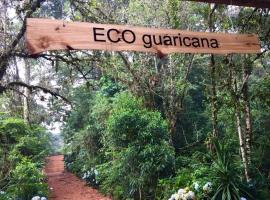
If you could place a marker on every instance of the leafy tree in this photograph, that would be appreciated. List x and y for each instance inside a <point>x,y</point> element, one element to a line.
<point>137,142</point>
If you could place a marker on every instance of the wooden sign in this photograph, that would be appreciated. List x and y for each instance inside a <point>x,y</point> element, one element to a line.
<point>249,3</point>
<point>45,34</point>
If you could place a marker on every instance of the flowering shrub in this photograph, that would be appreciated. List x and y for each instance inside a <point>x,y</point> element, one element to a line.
<point>204,191</point>
<point>187,194</point>
<point>207,188</point>
<point>90,177</point>
<point>39,198</point>
<point>4,195</point>
<point>183,194</point>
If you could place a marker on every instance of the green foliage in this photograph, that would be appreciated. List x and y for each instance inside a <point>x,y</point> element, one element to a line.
<point>192,170</point>
<point>138,137</point>
<point>136,127</point>
<point>82,99</point>
<point>227,175</point>
<point>84,140</point>
<point>27,181</point>
<point>108,86</point>
<point>173,6</point>
<point>261,91</point>
<point>11,129</point>
<point>35,145</point>
<point>169,185</point>
<point>210,176</point>
<point>120,131</point>
<point>22,152</point>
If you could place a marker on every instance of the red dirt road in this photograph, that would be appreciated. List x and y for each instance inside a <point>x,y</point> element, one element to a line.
<point>65,185</point>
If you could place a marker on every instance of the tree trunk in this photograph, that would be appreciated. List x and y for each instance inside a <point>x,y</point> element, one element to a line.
<point>241,136</point>
<point>26,93</point>
<point>214,108</point>
<point>213,97</point>
<point>247,114</point>
<point>242,142</point>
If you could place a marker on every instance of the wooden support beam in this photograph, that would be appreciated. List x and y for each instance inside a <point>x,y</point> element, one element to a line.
<point>247,3</point>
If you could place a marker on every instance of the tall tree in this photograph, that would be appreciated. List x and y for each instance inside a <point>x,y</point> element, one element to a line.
<point>27,76</point>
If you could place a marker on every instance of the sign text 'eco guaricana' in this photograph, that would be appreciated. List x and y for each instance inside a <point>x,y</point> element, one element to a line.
<point>46,34</point>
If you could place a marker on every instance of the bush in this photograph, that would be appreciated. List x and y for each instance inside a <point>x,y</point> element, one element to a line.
<point>136,142</point>
<point>210,176</point>
<point>22,152</point>
<point>227,175</point>
<point>193,178</point>
<point>27,181</point>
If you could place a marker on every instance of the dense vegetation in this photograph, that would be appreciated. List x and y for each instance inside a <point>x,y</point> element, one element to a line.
<point>22,149</point>
<point>138,125</point>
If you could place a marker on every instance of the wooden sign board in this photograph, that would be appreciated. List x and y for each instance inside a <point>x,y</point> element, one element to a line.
<point>45,34</point>
<point>249,3</point>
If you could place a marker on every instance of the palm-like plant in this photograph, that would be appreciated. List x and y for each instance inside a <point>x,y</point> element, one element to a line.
<point>227,174</point>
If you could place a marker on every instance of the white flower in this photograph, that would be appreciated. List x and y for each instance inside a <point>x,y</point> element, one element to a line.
<point>243,198</point>
<point>190,195</point>
<point>196,186</point>
<point>96,172</point>
<point>84,176</point>
<point>175,196</point>
<point>183,194</point>
<point>181,191</point>
<point>36,198</point>
<point>43,198</point>
<point>207,187</point>
<point>2,192</point>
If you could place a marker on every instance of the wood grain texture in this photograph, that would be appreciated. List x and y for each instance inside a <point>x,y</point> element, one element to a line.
<point>247,3</point>
<point>45,34</point>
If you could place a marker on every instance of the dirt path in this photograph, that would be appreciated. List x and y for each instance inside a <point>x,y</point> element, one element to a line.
<point>65,185</point>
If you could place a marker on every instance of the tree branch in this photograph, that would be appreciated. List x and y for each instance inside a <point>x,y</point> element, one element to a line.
<point>5,56</point>
<point>10,86</point>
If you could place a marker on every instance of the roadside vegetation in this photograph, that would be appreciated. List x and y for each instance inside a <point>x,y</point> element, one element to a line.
<point>23,150</point>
